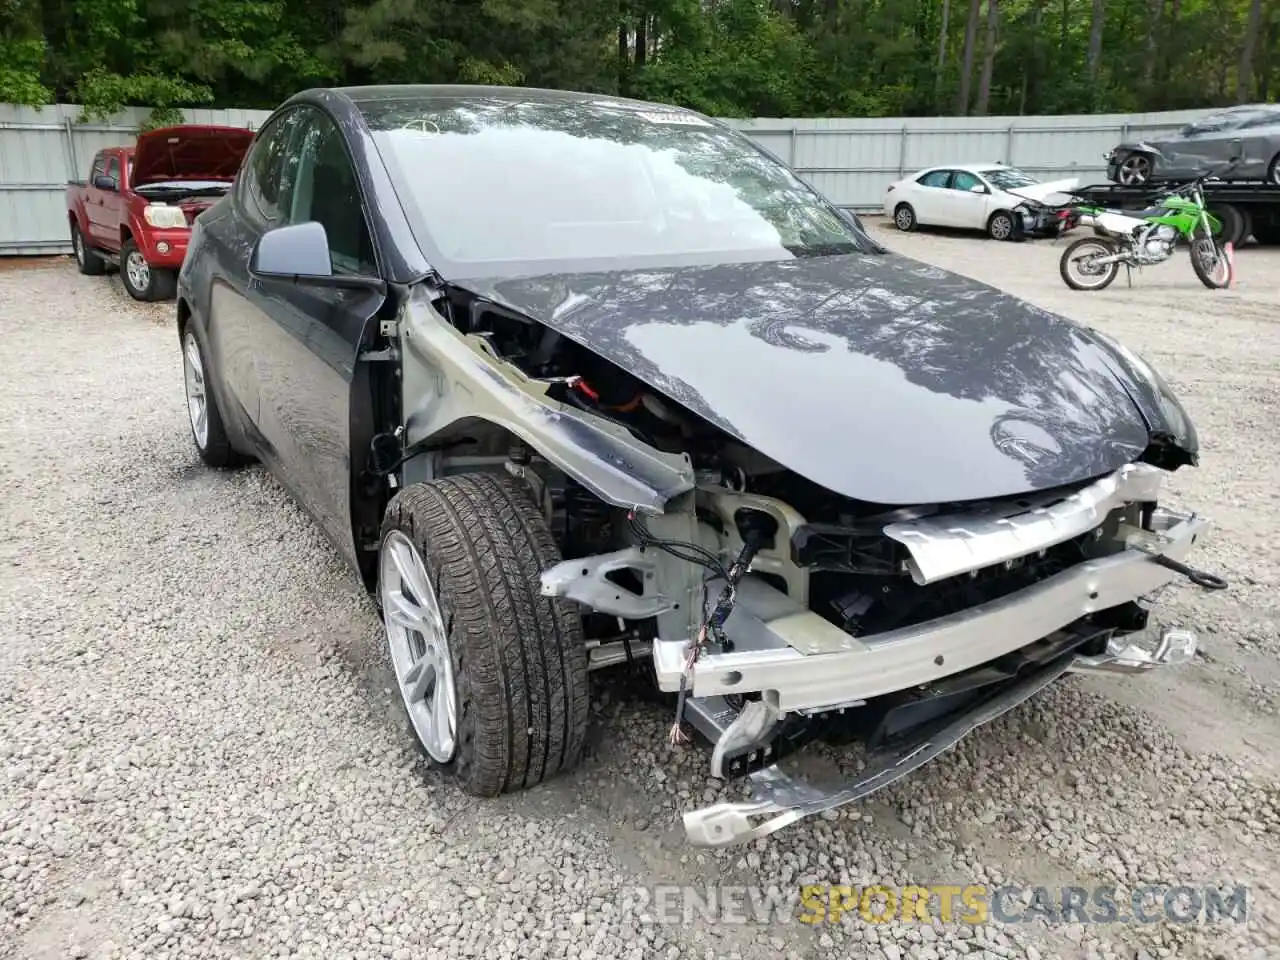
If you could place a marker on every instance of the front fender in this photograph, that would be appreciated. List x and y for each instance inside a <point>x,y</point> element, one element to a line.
<point>450,379</point>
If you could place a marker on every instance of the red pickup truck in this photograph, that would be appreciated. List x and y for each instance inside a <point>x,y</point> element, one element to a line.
<point>135,210</point>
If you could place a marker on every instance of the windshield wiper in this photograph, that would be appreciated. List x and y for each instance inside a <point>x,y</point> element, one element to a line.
<point>831,249</point>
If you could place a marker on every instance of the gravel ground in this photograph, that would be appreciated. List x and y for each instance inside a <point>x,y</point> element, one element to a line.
<point>201,756</point>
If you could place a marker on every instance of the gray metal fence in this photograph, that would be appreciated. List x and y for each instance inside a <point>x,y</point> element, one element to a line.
<point>849,160</point>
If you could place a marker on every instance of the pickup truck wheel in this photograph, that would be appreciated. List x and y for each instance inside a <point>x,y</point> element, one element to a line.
<point>143,281</point>
<point>88,262</point>
<point>492,675</point>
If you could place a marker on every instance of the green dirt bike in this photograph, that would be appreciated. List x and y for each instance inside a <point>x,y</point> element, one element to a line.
<point>1147,237</point>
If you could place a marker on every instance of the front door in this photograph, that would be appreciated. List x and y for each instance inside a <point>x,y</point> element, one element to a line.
<point>306,346</point>
<point>237,304</point>
<point>965,208</point>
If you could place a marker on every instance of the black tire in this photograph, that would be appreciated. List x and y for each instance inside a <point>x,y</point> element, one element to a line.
<point>1267,231</point>
<point>87,262</point>
<point>1105,280</point>
<point>519,659</point>
<point>1002,226</point>
<point>1273,171</point>
<point>1237,225</point>
<point>158,284</point>
<point>1214,281</point>
<point>215,449</point>
<point>904,218</point>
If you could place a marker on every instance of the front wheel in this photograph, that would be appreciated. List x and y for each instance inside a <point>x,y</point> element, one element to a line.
<point>1209,261</point>
<point>1001,225</point>
<point>492,675</point>
<point>141,280</point>
<point>1080,269</point>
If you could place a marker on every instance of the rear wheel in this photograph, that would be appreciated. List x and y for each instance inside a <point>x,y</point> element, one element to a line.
<point>1134,170</point>
<point>87,262</point>
<point>207,429</point>
<point>1079,268</point>
<point>492,675</point>
<point>1209,261</point>
<point>904,218</point>
<point>1266,230</point>
<point>141,280</point>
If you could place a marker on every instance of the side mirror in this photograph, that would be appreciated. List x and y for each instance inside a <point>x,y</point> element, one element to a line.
<point>977,188</point>
<point>103,182</point>
<point>299,253</point>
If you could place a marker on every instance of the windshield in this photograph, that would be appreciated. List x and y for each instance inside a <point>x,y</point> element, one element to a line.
<point>1007,178</point>
<point>496,186</point>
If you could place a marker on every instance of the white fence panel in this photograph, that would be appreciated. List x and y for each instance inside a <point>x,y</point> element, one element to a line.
<point>849,160</point>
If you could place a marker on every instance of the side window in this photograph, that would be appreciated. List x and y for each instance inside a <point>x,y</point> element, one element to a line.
<point>266,180</point>
<point>1264,118</point>
<point>935,178</point>
<point>99,167</point>
<point>113,170</point>
<point>325,189</point>
<point>965,180</point>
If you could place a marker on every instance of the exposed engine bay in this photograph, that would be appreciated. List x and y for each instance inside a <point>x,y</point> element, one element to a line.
<point>775,609</point>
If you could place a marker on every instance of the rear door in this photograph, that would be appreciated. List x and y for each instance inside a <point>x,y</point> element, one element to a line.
<point>307,339</point>
<point>93,200</point>
<point>113,206</point>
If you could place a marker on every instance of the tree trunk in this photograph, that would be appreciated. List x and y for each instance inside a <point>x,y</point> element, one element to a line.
<point>966,68</point>
<point>642,41</point>
<point>942,52</point>
<point>1036,62</point>
<point>988,60</point>
<point>1152,48</point>
<point>624,59</point>
<point>1269,48</point>
<point>1093,59</point>
<point>1244,80</point>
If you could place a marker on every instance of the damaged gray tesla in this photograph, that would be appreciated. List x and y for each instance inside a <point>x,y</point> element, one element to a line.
<point>575,381</point>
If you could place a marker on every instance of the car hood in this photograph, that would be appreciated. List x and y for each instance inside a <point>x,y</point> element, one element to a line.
<point>1041,191</point>
<point>189,152</point>
<point>878,377</point>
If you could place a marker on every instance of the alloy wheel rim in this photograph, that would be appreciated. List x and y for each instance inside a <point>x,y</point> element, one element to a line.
<point>197,398</point>
<point>1134,170</point>
<point>419,646</point>
<point>1001,227</point>
<point>139,272</point>
<point>77,244</point>
<point>903,219</point>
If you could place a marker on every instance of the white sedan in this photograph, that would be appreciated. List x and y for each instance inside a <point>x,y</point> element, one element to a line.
<point>1002,201</point>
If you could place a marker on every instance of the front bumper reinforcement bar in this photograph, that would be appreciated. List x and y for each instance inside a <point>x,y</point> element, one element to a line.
<point>784,799</point>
